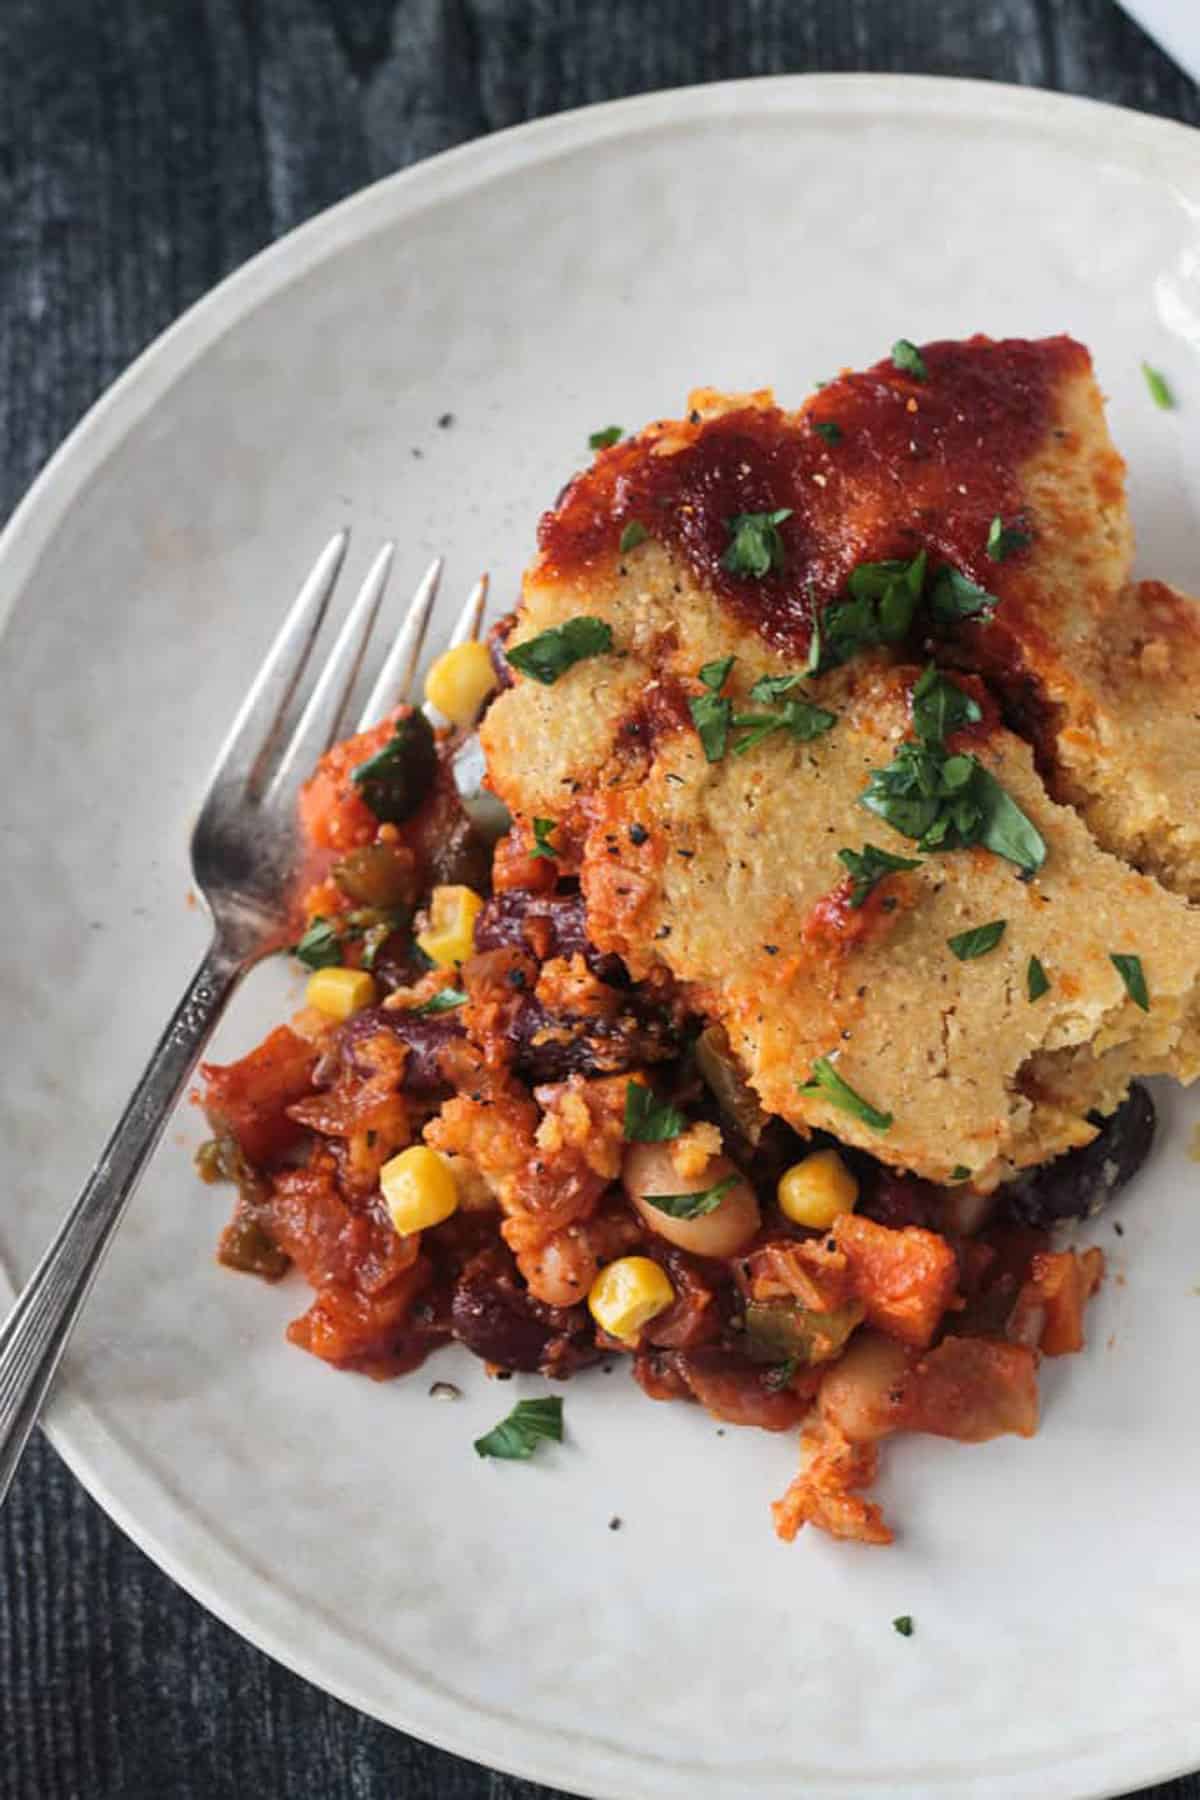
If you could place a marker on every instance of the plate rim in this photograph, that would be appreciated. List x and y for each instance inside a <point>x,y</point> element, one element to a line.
<point>252,1605</point>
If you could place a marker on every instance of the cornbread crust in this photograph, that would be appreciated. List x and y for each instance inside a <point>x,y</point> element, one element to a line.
<point>736,855</point>
<point>735,861</point>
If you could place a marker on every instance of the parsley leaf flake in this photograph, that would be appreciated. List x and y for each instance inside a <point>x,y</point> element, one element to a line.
<point>908,359</point>
<point>445,1000</point>
<point>940,707</point>
<point>868,867</point>
<point>953,597</point>
<point>1160,391</point>
<point>516,1438</point>
<point>755,545</point>
<point>1129,968</point>
<point>649,1120</point>
<point>828,1084</point>
<point>1003,540</point>
<point>542,847</point>
<point>693,1206</point>
<point>320,947</point>
<point>545,657</point>
<point>967,945</point>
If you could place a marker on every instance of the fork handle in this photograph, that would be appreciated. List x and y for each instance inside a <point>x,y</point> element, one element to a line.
<point>35,1334</point>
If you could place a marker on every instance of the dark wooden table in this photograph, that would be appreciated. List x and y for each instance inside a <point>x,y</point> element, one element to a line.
<point>147,147</point>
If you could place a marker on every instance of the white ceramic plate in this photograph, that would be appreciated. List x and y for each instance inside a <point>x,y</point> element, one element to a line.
<point>582,271</point>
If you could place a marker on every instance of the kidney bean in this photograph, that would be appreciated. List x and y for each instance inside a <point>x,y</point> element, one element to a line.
<point>426,1035</point>
<point>548,924</point>
<point>1083,1181</point>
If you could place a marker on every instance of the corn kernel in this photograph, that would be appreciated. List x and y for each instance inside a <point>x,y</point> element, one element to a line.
<point>419,1189</point>
<point>339,992</point>
<point>450,939</point>
<point>460,681</point>
<point>816,1190</point>
<point>627,1294</point>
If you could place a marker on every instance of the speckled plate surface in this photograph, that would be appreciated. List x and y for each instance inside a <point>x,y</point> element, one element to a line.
<point>537,285</point>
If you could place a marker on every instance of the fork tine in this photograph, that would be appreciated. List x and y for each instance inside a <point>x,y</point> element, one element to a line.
<point>246,751</point>
<point>466,629</point>
<point>400,663</point>
<point>318,725</point>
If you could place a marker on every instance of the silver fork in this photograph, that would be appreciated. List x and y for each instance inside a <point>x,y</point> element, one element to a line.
<point>244,851</point>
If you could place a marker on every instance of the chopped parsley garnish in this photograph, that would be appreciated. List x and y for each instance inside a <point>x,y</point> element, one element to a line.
<point>545,657</point>
<point>376,927</point>
<point>908,359</point>
<point>868,867</point>
<point>804,720</point>
<point>829,429</point>
<point>635,533</point>
<point>773,687</point>
<point>826,1082</point>
<point>604,440</point>
<point>884,597</point>
<point>1129,968</point>
<point>967,945</point>
<point>516,1438</point>
<point>953,598</point>
<point>904,1625</point>
<point>714,675</point>
<point>649,1120</point>
<point>320,947</point>
<point>542,847</point>
<point>949,802</point>
<point>712,717</point>
<point>395,781</point>
<point>960,1172</point>
<point>1160,392</point>
<point>882,604</point>
<point>1037,982</point>
<point>692,1206</point>
<point>445,1000</point>
<point>940,707</point>
<point>755,546</point>
<point>1003,540</point>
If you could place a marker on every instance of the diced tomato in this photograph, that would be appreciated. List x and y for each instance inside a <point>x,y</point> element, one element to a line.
<point>333,814</point>
<point>905,1279</point>
<point>329,1242</point>
<point>972,1389</point>
<point>364,1331</point>
<point>515,866</point>
<point>249,1099</point>
<point>1060,1284</point>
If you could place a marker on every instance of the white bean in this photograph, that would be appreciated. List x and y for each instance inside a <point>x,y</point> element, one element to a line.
<point>855,1395</point>
<point>648,1169</point>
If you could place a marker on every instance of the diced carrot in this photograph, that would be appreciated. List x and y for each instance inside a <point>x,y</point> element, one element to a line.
<point>905,1279</point>
<point>249,1099</point>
